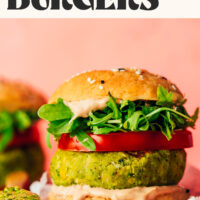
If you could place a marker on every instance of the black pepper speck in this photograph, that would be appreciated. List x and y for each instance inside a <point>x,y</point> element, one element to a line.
<point>121,69</point>
<point>164,78</point>
<point>102,81</point>
<point>187,191</point>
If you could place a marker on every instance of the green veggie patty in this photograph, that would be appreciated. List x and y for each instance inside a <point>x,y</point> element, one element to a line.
<point>27,158</point>
<point>162,115</point>
<point>118,170</point>
<point>17,194</point>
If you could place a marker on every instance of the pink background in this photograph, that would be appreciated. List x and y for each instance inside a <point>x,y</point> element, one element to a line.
<point>47,52</point>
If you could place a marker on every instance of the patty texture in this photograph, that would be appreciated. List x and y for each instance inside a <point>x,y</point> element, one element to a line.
<point>17,194</point>
<point>118,170</point>
<point>29,158</point>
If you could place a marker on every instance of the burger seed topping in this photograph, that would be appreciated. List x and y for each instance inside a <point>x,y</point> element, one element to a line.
<point>85,140</point>
<point>187,191</point>
<point>119,70</point>
<point>135,69</point>
<point>138,71</point>
<point>90,80</point>
<point>164,78</point>
<point>101,87</point>
<point>174,87</point>
<point>141,78</point>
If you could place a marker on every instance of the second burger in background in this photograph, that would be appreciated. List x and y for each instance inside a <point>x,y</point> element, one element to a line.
<point>21,157</point>
<point>121,135</point>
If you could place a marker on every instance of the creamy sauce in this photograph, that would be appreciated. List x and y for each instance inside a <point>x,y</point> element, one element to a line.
<point>137,193</point>
<point>78,192</point>
<point>84,107</point>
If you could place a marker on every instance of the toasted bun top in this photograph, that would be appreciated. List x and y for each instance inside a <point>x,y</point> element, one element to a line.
<point>125,84</point>
<point>18,96</point>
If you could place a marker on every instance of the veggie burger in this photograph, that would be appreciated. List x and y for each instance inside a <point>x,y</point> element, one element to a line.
<point>19,137</point>
<point>121,135</point>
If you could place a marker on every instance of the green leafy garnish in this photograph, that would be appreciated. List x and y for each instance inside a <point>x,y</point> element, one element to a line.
<point>12,122</point>
<point>112,104</point>
<point>163,115</point>
<point>48,139</point>
<point>164,97</point>
<point>137,121</point>
<point>7,136</point>
<point>85,139</point>
<point>23,121</point>
<point>53,112</point>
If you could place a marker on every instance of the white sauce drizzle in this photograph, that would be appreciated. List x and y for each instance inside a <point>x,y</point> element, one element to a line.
<point>79,192</point>
<point>44,190</point>
<point>84,107</point>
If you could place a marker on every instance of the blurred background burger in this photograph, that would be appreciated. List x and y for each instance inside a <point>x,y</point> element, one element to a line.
<point>121,135</point>
<point>17,194</point>
<point>21,157</point>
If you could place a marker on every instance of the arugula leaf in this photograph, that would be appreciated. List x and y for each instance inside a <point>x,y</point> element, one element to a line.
<point>183,101</point>
<point>195,115</point>
<point>7,136</point>
<point>168,109</point>
<point>124,106</point>
<point>54,112</point>
<point>58,127</point>
<point>179,121</point>
<point>137,122</point>
<point>99,121</point>
<point>166,130</point>
<point>10,122</point>
<point>32,115</point>
<point>23,121</point>
<point>85,139</point>
<point>48,139</point>
<point>112,104</point>
<point>107,128</point>
<point>147,109</point>
<point>114,121</point>
<point>128,106</point>
<point>78,123</point>
<point>103,130</point>
<point>170,121</point>
<point>5,120</point>
<point>164,97</point>
<point>6,124</point>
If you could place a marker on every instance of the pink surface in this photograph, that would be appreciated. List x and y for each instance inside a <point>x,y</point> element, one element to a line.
<point>47,52</point>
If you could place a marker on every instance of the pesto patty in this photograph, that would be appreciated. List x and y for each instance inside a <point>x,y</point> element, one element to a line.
<point>17,194</point>
<point>29,159</point>
<point>118,170</point>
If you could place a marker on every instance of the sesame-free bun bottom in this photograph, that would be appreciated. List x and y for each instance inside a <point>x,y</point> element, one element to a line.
<point>124,84</point>
<point>137,193</point>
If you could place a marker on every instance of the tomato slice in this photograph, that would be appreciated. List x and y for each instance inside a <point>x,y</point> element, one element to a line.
<point>30,136</point>
<point>130,141</point>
